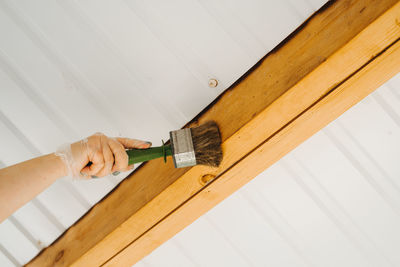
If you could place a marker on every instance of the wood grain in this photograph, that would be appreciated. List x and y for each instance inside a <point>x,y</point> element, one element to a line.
<point>338,41</point>
<point>304,126</point>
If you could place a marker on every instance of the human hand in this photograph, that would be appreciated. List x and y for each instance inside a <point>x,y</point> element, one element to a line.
<point>98,156</point>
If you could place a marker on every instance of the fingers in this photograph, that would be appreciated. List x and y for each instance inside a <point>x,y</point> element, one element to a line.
<point>120,156</point>
<point>129,143</point>
<point>129,168</point>
<point>95,156</point>
<point>133,143</point>
<point>97,161</point>
<point>107,155</point>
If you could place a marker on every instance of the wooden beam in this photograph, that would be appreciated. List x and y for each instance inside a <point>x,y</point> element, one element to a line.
<point>333,60</point>
<point>304,126</point>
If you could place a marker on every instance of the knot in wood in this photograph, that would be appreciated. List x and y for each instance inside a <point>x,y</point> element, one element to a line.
<point>205,179</point>
<point>59,255</point>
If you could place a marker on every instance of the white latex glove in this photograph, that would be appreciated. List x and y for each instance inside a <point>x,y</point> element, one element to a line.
<point>98,156</point>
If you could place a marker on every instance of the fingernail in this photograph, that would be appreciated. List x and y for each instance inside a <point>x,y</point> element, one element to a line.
<point>149,143</point>
<point>94,176</point>
<point>116,173</point>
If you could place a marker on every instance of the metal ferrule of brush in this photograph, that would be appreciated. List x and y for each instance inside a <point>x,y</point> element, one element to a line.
<point>182,148</point>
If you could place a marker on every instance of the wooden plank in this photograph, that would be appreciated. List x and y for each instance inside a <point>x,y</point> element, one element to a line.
<point>304,126</point>
<point>330,47</point>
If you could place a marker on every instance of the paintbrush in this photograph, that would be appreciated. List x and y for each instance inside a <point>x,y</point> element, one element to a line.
<point>188,147</point>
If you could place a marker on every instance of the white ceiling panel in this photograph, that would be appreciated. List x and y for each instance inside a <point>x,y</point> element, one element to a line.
<point>142,68</point>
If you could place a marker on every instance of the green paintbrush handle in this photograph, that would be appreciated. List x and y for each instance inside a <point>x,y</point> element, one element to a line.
<point>142,155</point>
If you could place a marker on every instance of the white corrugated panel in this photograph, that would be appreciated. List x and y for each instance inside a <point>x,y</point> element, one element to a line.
<point>140,69</point>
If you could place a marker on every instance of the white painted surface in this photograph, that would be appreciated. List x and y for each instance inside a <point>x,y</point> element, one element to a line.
<point>140,69</point>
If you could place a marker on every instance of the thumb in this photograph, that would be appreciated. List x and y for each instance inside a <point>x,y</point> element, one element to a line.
<point>133,143</point>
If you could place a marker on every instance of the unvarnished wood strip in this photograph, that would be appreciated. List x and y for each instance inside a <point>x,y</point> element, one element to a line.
<point>138,203</point>
<point>353,90</point>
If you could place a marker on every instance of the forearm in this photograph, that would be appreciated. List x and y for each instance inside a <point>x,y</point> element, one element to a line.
<point>22,182</point>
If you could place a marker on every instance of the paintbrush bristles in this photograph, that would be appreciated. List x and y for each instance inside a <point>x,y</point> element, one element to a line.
<point>207,144</point>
